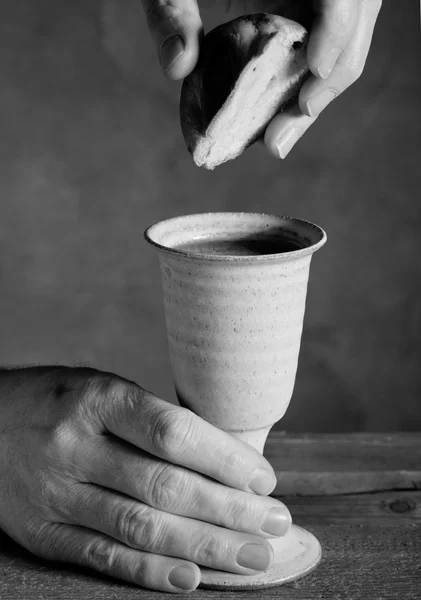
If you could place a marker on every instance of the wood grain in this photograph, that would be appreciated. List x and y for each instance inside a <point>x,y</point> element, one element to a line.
<point>371,541</point>
<point>369,552</point>
<point>380,509</point>
<point>344,463</point>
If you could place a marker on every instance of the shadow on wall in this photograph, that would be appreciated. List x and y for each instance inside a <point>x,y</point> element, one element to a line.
<point>92,153</point>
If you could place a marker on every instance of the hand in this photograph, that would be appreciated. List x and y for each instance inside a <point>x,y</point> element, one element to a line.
<point>340,38</point>
<point>96,471</point>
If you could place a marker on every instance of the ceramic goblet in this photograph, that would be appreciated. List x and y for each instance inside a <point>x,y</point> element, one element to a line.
<point>235,286</point>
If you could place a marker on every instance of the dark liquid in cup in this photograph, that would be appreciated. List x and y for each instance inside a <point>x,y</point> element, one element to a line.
<point>252,246</point>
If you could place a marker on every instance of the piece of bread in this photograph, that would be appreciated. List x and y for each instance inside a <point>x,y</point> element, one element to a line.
<point>248,70</point>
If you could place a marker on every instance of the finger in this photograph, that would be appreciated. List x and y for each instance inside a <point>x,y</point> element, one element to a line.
<point>84,547</point>
<point>176,28</point>
<point>178,435</point>
<point>316,94</point>
<point>333,26</point>
<point>182,492</point>
<point>284,131</point>
<point>288,127</point>
<point>150,530</point>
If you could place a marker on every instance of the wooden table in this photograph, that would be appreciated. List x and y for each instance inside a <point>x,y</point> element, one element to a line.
<point>360,494</point>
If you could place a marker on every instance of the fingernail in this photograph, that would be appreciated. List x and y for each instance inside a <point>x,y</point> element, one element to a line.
<point>263,482</point>
<point>183,578</point>
<point>254,556</point>
<point>319,102</point>
<point>328,62</point>
<point>287,141</point>
<point>277,522</point>
<point>171,50</point>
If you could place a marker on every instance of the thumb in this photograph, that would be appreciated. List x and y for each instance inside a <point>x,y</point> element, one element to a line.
<point>176,28</point>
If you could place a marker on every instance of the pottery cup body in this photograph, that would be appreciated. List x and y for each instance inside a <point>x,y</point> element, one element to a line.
<point>234,314</point>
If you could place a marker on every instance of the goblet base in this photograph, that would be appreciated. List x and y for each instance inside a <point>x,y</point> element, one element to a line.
<point>296,554</point>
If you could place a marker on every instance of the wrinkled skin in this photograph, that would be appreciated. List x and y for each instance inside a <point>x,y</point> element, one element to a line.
<point>96,471</point>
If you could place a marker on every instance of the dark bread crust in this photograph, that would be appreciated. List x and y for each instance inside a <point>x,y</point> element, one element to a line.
<point>225,51</point>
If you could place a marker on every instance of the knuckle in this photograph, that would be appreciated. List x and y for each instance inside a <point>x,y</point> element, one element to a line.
<point>338,19</point>
<point>337,26</point>
<point>34,540</point>
<point>62,453</point>
<point>172,432</point>
<point>354,71</point>
<point>40,539</point>
<point>104,384</point>
<point>141,571</point>
<point>138,527</point>
<point>343,13</point>
<point>159,11</point>
<point>95,389</point>
<point>237,509</point>
<point>208,550</point>
<point>231,462</point>
<point>100,554</point>
<point>61,440</point>
<point>61,448</point>
<point>168,488</point>
<point>47,491</point>
<point>351,71</point>
<point>113,395</point>
<point>335,34</point>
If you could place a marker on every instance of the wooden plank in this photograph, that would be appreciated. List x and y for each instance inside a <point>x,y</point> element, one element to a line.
<point>380,509</point>
<point>371,541</point>
<point>369,552</point>
<point>344,463</point>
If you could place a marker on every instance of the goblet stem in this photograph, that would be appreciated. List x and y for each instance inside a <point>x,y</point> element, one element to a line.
<point>256,438</point>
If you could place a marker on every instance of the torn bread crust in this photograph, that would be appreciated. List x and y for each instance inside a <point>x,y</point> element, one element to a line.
<point>248,70</point>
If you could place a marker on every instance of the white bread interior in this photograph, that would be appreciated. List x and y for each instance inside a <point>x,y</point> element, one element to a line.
<point>264,85</point>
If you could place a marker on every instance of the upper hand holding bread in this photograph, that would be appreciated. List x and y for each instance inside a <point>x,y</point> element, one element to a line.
<point>340,33</point>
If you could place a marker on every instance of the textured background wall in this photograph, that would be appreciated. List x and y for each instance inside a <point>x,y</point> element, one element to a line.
<point>91,153</point>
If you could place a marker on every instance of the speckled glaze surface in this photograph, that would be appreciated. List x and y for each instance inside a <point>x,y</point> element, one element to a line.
<point>234,322</point>
<point>295,555</point>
